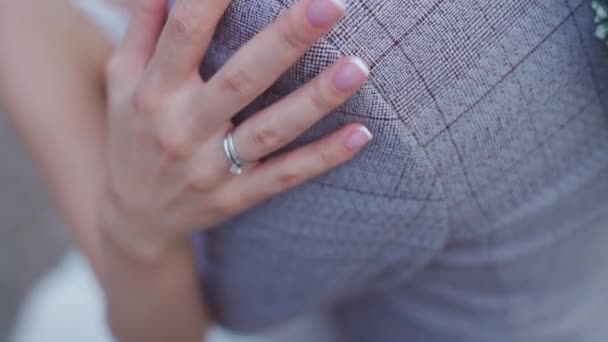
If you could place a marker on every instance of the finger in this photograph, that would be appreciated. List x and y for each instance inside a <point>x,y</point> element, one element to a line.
<point>184,40</point>
<point>261,61</point>
<point>144,28</point>
<point>294,168</point>
<point>274,127</point>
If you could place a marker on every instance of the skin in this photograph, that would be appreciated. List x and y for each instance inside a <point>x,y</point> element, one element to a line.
<point>141,135</point>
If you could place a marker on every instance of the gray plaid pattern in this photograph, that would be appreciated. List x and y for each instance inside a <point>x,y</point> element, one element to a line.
<point>489,171</point>
<point>462,221</point>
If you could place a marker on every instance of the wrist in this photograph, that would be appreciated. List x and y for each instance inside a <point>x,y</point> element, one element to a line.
<point>123,234</point>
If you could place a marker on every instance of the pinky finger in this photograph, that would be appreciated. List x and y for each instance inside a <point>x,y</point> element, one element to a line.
<point>293,168</point>
<point>145,24</point>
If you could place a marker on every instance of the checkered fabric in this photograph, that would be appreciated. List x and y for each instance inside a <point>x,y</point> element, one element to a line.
<point>475,215</point>
<point>480,211</point>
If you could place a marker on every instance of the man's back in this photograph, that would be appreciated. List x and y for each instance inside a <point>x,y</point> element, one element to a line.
<point>479,212</point>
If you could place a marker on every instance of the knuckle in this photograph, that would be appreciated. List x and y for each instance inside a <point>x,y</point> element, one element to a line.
<point>175,143</point>
<point>295,37</point>
<point>144,101</point>
<point>184,24</point>
<point>288,179</point>
<point>240,82</point>
<point>327,158</point>
<point>203,181</point>
<point>321,98</point>
<point>268,138</point>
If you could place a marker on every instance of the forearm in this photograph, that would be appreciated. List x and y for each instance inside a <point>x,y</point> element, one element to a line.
<point>51,87</point>
<point>150,297</point>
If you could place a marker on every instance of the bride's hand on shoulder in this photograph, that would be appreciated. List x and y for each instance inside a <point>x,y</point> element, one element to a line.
<point>168,156</point>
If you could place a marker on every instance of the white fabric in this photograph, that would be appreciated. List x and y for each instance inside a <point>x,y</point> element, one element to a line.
<point>67,306</point>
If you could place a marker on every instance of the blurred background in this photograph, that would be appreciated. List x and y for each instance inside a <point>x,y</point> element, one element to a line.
<point>32,238</point>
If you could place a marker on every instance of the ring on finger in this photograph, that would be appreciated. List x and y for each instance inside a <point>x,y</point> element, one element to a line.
<point>236,162</point>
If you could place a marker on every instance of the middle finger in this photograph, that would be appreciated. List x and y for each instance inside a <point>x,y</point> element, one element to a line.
<point>275,126</point>
<point>266,57</point>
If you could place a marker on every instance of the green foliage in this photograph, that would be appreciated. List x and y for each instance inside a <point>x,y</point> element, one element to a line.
<point>601,19</point>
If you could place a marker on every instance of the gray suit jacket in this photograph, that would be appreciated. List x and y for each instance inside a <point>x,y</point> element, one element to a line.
<point>480,211</point>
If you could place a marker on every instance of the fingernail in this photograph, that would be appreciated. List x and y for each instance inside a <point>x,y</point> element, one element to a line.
<point>322,13</point>
<point>357,139</point>
<point>350,76</point>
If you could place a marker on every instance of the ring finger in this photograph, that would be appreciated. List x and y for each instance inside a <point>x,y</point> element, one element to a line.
<point>292,168</point>
<point>277,125</point>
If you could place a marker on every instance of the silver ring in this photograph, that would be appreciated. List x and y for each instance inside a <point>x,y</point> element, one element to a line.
<point>236,162</point>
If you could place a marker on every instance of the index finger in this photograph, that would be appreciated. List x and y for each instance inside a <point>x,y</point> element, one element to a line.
<point>271,53</point>
<point>184,40</point>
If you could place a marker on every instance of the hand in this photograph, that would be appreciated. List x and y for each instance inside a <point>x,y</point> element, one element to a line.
<point>168,174</point>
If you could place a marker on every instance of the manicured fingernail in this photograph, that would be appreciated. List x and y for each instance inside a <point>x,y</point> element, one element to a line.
<point>350,76</point>
<point>322,13</point>
<point>357,139</point>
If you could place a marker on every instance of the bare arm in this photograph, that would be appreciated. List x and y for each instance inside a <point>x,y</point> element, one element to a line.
<point>52,86</point>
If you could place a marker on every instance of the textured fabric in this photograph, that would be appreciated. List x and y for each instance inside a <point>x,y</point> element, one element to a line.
<point>480,211</point>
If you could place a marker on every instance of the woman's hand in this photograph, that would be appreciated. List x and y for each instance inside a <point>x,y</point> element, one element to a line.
<point>167,170</point>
